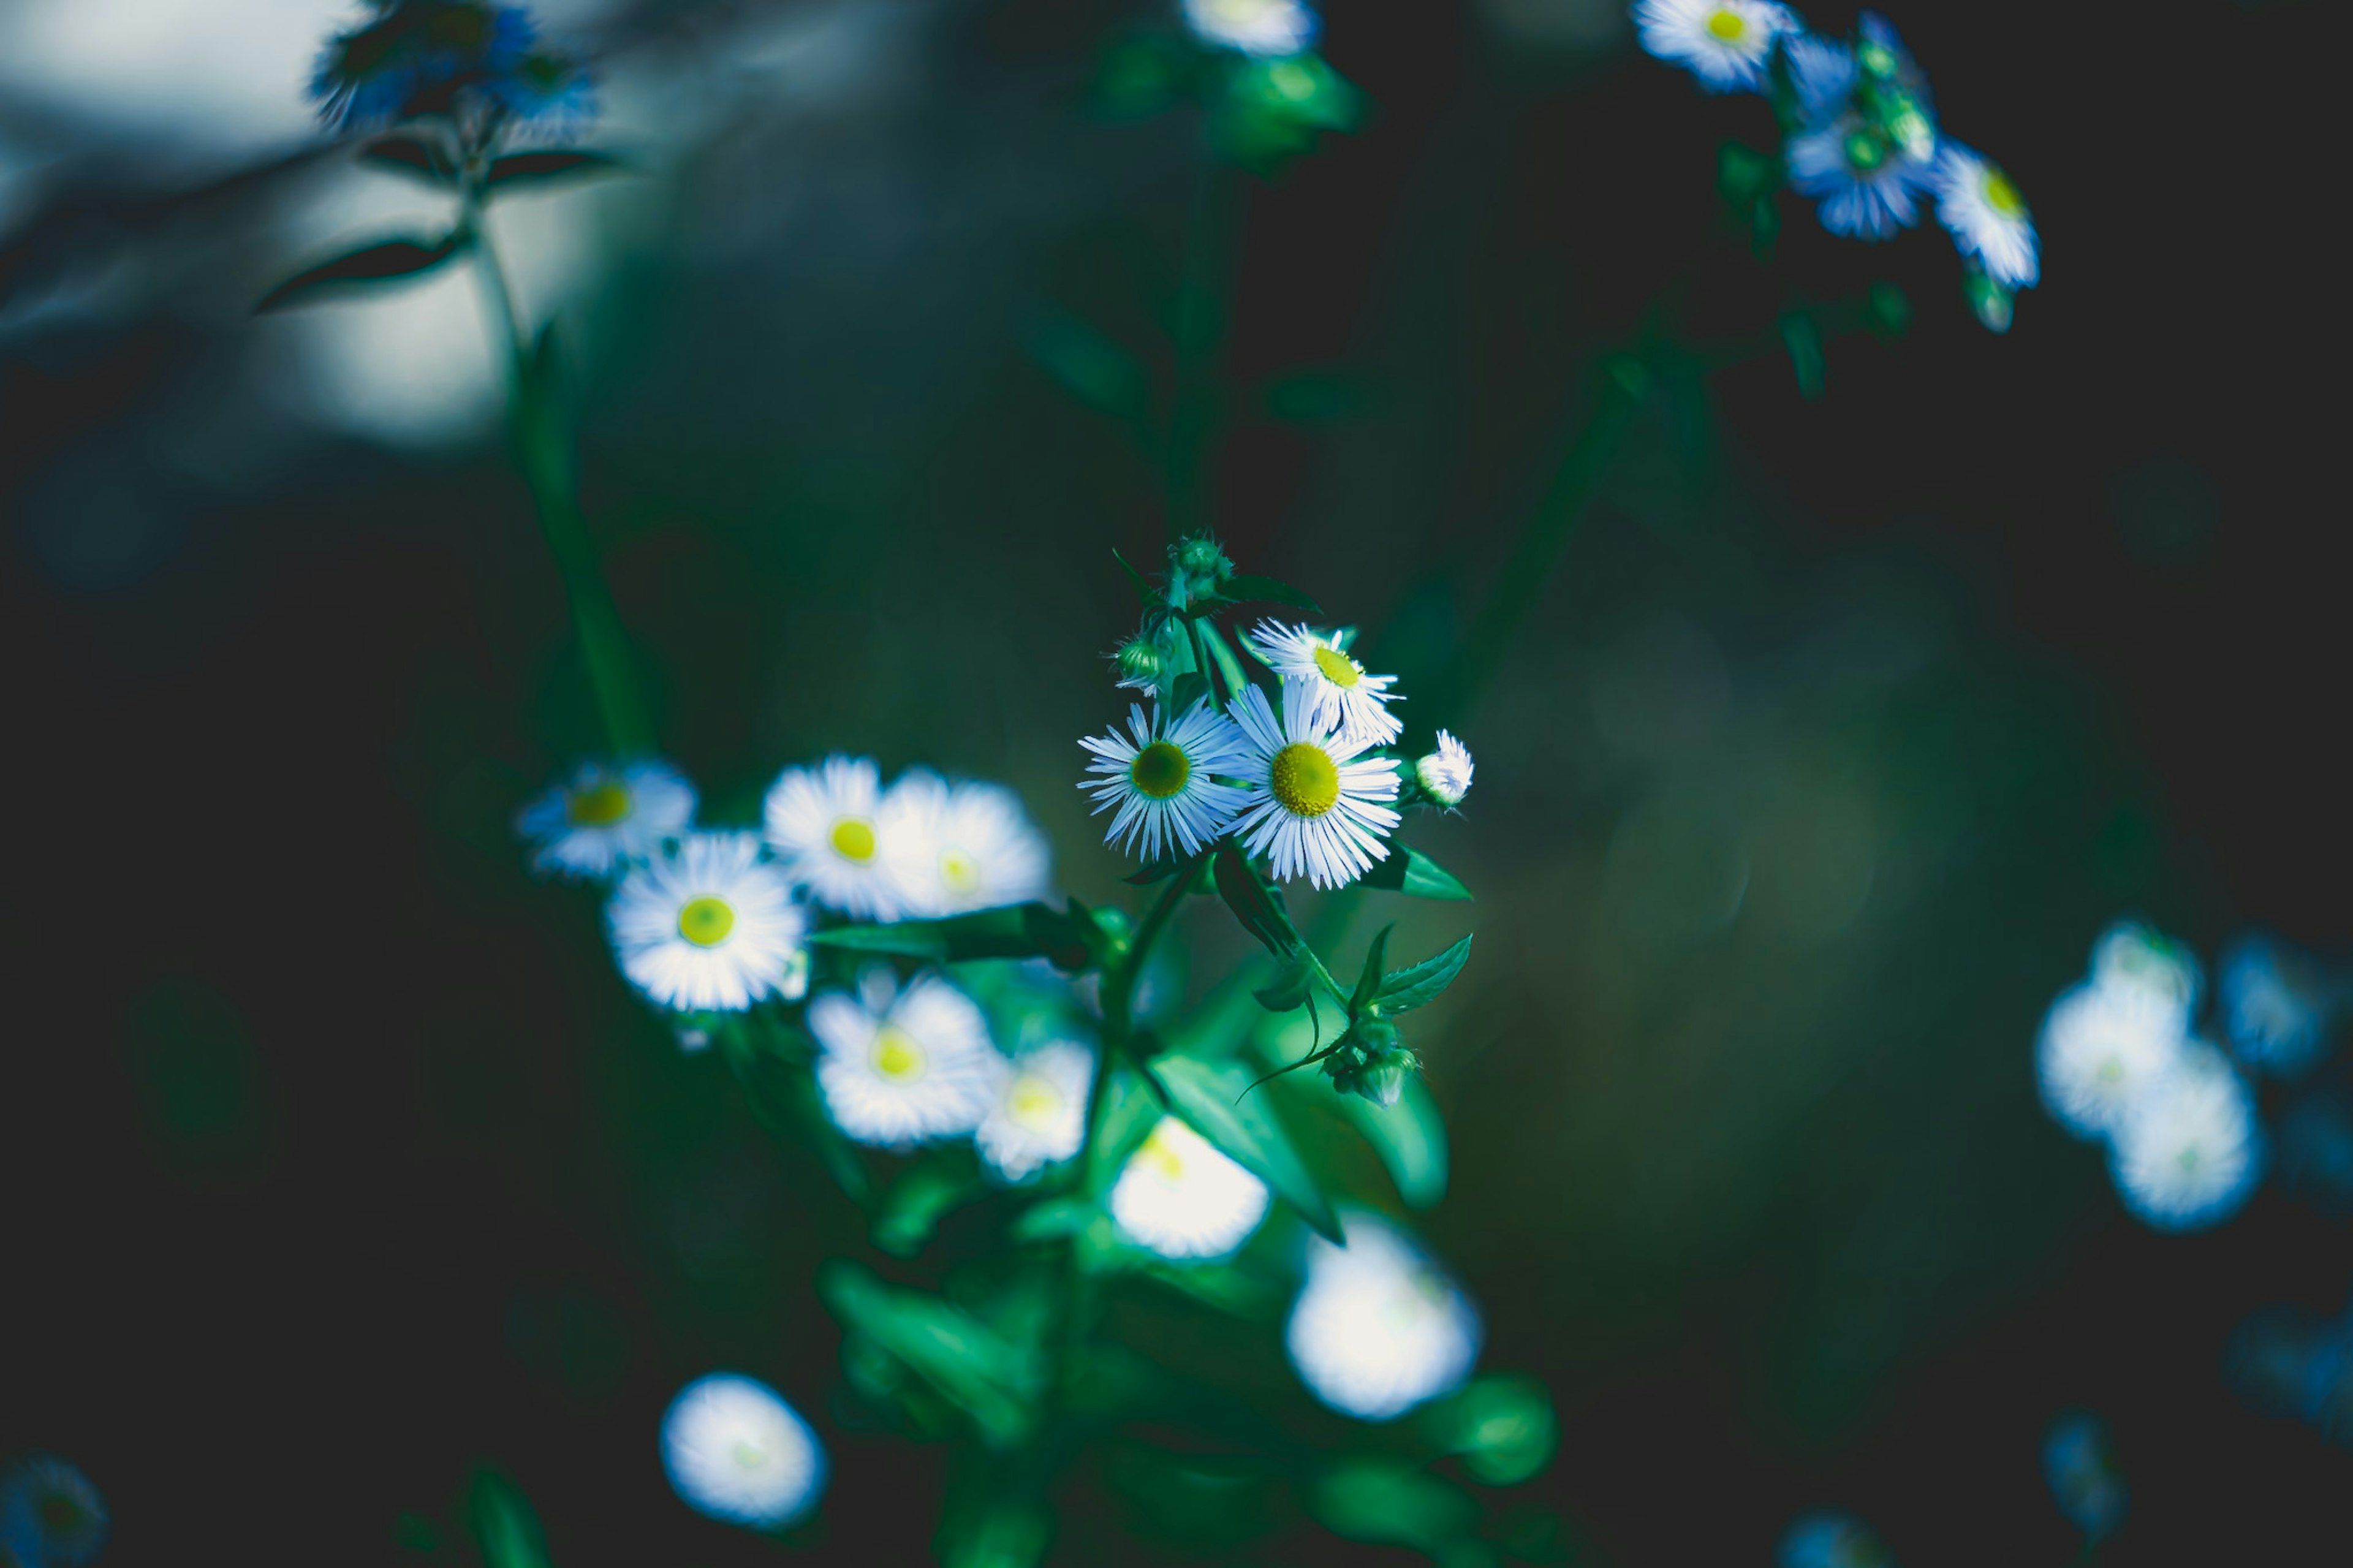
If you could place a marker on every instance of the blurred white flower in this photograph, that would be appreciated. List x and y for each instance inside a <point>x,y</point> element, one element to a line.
<point>1725,43</point>
<point>901,1068</point>
<point>736,1452</point>
<point>1379,1328</point>
<point>2102,1047</point>
<point>51,1515</point>
<point>1312,809</point>
<point>1832,1541</point>
<point>1445,774</point>
<point>2136,958</point>
<point>2275,1006</point>
<point>1268,28</point>
<point>1158,777</point>
<point>1179,1197</point>
<point>610,812</point>
<point>1987,216</point>
<point>1343,699</point>
<point>1040,1115</point>
<point>2189,1150</point>
<point>839,834</point>
<point>2082,1476</point>
<point>707,925</point>
<point>954,848</point>
<point>1865,186</point>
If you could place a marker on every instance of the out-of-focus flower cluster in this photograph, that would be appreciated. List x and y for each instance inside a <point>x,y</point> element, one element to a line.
<point>406,59</point>
<point>1251,64</point>
<point>1860,136</point>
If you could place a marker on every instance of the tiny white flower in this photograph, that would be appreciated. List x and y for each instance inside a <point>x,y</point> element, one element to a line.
<point>736,1452</point>
<point>2189,1150</point>
<point>1445,774</point>
<point>832,826</point>
<point>2275,1006</point>
<point>709,926</point>
<point>1987,216</point>
<point>608,814</point>
<point>2102,1047</point>
<point>1725,43</point>
<point>1180,1196</point>
<point>1379,1328</point>
<point>1040,1118</point>
<point>1266,27</point>
<point>1865,186</point>
<point>901,1068</point>
<point>1346,701</point>
<point>966,846</point>
<point>2135,958</point>
<point>1311,808</point>
<point>1158,777</point>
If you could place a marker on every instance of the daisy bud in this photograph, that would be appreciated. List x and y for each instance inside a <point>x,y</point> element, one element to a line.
<point>1383,1081</point>
<point>1444,775</point>
<point>1139,663</point>
<point>1199,556</point>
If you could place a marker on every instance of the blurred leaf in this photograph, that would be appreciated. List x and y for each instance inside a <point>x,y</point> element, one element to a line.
<point>1090,367</point>
<point>1255,904</point>
<point>539,168</point>
<point>1502,1427</point>
<point>918,1200</point>
<point>1411,1138</point>
<point>1323,397</point>
<point>416,1533</point>
<point>1803,339</point>
<point>1291,989</point>
<point>505,1528</point>
<point>1420,984</point>
<point>1002,1532</point>
<point>1887,309</point>
<point>1067,937</point>
<point>1129,1112</point>
<point>1053,1218</point>
<point>1368,980</point>
<point>1748,181</point>
<point>1992,304</point>
<point>1245,589</point>
<point>1146,74</point>
<point>991,1381</point>
<point>379,263</point>
<point>1386,1503</point>
<point>1214,1097</point>
<point>784,1095</point>
<point>1411,872</point>
<point>402,153</point>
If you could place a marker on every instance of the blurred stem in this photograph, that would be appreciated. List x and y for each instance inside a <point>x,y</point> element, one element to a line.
<point>1199,333</point>
<point>543,450</point>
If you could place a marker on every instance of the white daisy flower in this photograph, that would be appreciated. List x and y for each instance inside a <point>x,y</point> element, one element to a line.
<point>2101,1048</point>
<point>1040,1118</point>
<point>1445,775</point>
<point>1180,1196</point>
<point>1725,43</point>
<point>1987,216</point>
<point>2275,1006</point>
<point>967,846</point>
<point>2189,1150</point>
<point>609,813</point>
<point>1310,809</point>
<point>736,1452</point>
<point>1347,700</point>
<point>1865,185</point>
<point>1379,1328</point>
<point>709,926</point>
<point>1158,777</point>
<point>835,830</point>
<point>2132,957</point>
<point>901,1068</point>
<point>1264,27</point>
<point>51,1515</point>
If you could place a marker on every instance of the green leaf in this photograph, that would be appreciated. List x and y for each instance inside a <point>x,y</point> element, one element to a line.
<point>784,1095</point>
<point>918,1200</point>
<point>505,1528</point>
<point>379,263</point>
<point>1369,982</point>
<point>1245,589</point>
<point>1157,871</point>
<point>404,154</point>
<point>1409,1137</point>
<point>992,1381</point>
<point>1071,941</point>
<point>1412,872</point>
<point>1290,991</point>
<point>1143,589</point>
<point>1502,1427</point>
<point>1803,339</point>
<point>1418,985</point>
<point>1186,690</point>
<point>540,168</point>
<point>1255,905</point>
<point>1228,666</point>
<point>1214,1097</point>
<point>1053,1218</point>
<point>1388,1502</point>
<point>1130,1110</point>
<point>1090,366</point>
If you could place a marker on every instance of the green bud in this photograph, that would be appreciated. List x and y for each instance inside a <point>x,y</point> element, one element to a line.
<point>1198,557</point>
<point>1138,659</point>
<point>1383,1083</point>
<point>1988,299</point>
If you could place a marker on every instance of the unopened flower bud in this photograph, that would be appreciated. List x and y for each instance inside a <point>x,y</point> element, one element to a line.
<point>1139,662</point>
<point>1199,557</point>
<point>1988,299</point>
<point>1383,1082</point>
<point>1445,775</point>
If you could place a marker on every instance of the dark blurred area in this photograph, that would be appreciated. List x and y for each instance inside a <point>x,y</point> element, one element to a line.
<point>339,1159</point>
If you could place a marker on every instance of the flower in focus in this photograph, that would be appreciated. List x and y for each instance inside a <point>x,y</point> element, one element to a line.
<point>609,813</point>
<point>1040,1118</point>
<point>709,926</point>
<point>966,846</point>
<point>2189,1150</point>
<point>2275,1006</point>
<point>1344,698</point>
<point>413,56</point>
<point>1445,775</point>
<point>1159,780</point>
<point>1266,27</point>
<point>1378,1327</point>
<point>1725,43</point>
<point>1832,1541</point>
<point>1987,216</point>
<point>1181,1197</point>
<point>837,832</point>
<point>2132,957</point>
<point>2082,1476</point>
<point>1310,809</point>
<point>2101,1048</point>
<point>51,1515</point>
<point>1865,186</point>
<point>899,1068</point>
<point>736,1452</point>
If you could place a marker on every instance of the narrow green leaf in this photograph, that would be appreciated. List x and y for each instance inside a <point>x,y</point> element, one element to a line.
<point>1229,668</point>
<point>404,154</point>
<point>990,1380</point>
<point>784,1095</point>
<point>1255,903</point>
<point>1368,981</point>
<point>1418,985</point>
<point>539,168</point>
<point>1803,339</point>
<point>1053,1219</point>
<point>1214,1097</point>
<point>378,263</point>
<point>920,1199</point>
<point>1130,1110</point>
<point>1409,1137</point>
<point>1090,366</point>
<point>1290,989</point>
<point>1412,872</point>
<point>1245,589</point>
<point>505,1528</point>
<point>1186,690</point>
<point>1010,930</point>
<point>1157,871</point>
<point>1143,589</point>
<point>1389,1502</point>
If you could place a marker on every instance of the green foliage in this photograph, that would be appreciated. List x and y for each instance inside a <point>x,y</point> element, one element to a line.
<point>992,1382</point>
<point>387,261</point>
<point>506,1529</point>
<point>1070,938</point>
<point>549,167</point>
<point>1214,1098</point>
<point>1411,872</point>
<point>1420,984</point>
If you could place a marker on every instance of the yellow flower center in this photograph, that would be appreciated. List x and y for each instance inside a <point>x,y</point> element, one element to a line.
<point>1161,1153</point>
<point>2001,196</point>
<point>1034,1101</point>
<point>749,1455</point>
<point>706,921</point>
<point>598,805</point>
<point>1730,26</point>
<point>960,872</point>
<point>1337,667</point>
<point>897,1057</point>
<point>1159,770</point>
<point>1304,780</point>
<point>853,839</point>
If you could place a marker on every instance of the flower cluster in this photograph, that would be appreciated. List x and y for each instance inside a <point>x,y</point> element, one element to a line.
<point>1860,133</point>
<point>460,58</point>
